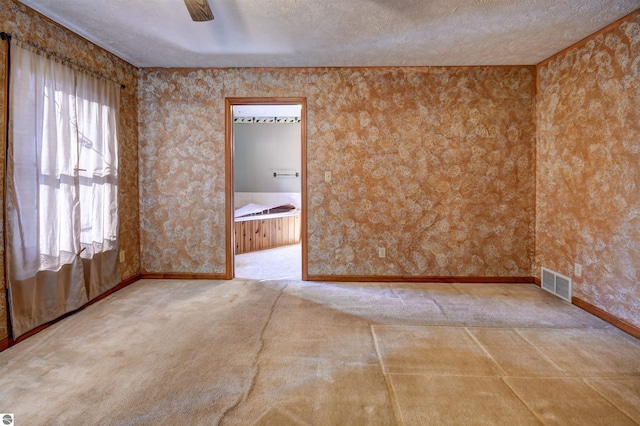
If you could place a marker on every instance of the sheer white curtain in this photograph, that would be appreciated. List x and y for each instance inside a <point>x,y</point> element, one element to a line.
<point>61,188</point>
<point>98,103</point>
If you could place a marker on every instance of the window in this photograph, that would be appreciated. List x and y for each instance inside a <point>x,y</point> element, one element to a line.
<point>62,187</point>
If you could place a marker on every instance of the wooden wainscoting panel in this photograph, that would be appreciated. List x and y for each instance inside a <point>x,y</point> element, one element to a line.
<point>277,229</point>
<point>261,234</point>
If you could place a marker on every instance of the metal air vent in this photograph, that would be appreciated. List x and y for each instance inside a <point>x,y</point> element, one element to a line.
<point>557,284</point>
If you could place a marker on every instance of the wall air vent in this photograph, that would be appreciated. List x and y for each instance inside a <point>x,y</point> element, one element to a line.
<point>557,284</point>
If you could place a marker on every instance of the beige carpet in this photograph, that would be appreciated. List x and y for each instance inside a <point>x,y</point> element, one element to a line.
<point>267,348</point>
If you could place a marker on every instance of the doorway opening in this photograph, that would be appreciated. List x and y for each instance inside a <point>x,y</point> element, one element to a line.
<point>265,188</point>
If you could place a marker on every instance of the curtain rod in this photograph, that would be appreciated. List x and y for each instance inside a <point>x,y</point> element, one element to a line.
<point>7,36</point>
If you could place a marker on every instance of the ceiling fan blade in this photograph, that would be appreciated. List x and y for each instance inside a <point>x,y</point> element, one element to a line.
<point>199,10</point>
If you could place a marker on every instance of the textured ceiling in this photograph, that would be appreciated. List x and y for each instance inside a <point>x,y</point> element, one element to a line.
<point>284,33</point>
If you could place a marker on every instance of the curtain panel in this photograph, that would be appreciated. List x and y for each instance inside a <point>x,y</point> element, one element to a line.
<point>62,186</point>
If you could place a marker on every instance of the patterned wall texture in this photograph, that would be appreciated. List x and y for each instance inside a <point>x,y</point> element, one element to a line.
<point>17,18</point>
<point>435,164</point>
<point>588,168</point>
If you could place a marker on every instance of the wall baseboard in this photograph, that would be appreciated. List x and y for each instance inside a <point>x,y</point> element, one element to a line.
<point>10,341</point>
<point>611,319</point>
<point>178,276</point>
<point>422,279</point>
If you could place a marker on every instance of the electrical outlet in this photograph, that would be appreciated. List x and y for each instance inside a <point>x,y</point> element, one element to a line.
<point>121,256</point>
<point>327,176</point>
<point>382,252</point>
<point>577,269</point>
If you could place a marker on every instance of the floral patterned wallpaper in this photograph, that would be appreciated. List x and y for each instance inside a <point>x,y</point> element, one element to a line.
<point>435,164</point>
<point>588,168</point>
<point>19,19</point>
